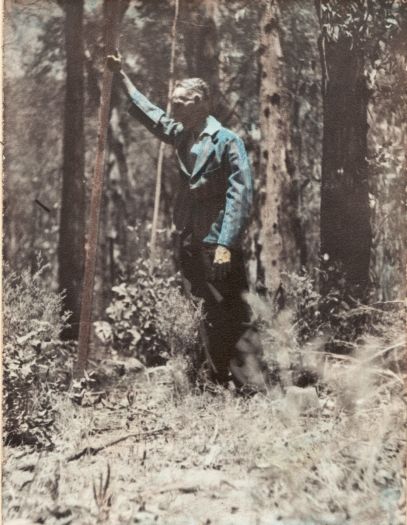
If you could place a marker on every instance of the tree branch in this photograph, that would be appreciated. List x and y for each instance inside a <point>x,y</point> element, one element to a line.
<point>92,451</point>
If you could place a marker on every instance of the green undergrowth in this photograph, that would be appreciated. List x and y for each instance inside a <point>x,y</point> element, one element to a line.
<point>36,363</point>
<point>148,317</point>
<point>325,445</point>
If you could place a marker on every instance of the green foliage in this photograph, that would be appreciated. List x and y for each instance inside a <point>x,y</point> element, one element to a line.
<point>35,362</point>
<point>30,309</point>
<point>34,52</point>
<point>299,345</point>
<point>302,72</point>
<point>361,23</point>
<point>329,322</point>
<point>178,321</point>
<point>148,317</point>
<point>32,163</point>
<point>387,186</point>
<point>304,300</point>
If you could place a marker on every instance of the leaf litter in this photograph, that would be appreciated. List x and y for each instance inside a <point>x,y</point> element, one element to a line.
<point>146,453</point>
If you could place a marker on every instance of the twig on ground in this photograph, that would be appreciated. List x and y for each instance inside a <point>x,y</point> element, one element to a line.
<point>183,488</point>
<point>92,451</point>
<point>132,410</point>
<point>104,429</point>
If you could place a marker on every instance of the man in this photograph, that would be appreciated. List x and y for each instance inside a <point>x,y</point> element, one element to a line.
<point>211,212</point>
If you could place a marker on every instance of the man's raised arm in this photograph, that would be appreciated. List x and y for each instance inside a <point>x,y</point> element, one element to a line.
<point>151,116</point>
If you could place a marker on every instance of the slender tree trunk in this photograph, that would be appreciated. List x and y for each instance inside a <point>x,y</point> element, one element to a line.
<point>111,16</point>
<point>71,236</point>
<point>275,228</point>
<point>117,194</point>
<point>345,216</point>
<point>113,220</point>
<point>160,161</point>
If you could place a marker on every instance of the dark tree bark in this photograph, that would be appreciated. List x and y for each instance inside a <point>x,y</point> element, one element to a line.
<point>345,216</point>
<point>72,218</point>
<point>117,176</point>
<point>201,45</point>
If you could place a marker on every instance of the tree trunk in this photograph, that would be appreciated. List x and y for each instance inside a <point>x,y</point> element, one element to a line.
<point>202,47</point>
<point>345,216</point>
<point>111,11</point>
<point>117,178</point>
<point>161,150</point>
<point>72,218</point>
<point>114,219</point>
<point>302,79</point>
<point>274,228</point>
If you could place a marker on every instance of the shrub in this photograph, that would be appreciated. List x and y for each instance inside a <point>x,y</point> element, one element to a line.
<point>149,318</point>
<point>178,322</point>
<point>35,361</point>
<point>296,336</point>
<point>341,322</point>
<point>31,310</point>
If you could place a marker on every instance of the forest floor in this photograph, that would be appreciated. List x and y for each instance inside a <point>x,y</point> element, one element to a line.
<point>147,449</point>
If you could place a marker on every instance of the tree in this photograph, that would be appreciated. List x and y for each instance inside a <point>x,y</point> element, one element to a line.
<point>112,240</point>
<point>201,47</point>
<point>387,132</point>
<point>345,216</point>
<point>275,231</point>
<point>72,217</point>
<point>160,160</point>
<point>299,24</point>
<point>349,42</point>
<point>111,12</point>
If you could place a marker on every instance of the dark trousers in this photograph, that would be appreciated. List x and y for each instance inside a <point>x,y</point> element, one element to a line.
<point>231,342</point>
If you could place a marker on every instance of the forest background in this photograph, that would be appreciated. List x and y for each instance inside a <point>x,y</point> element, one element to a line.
<point>317,92</point>
<point>224,44</point>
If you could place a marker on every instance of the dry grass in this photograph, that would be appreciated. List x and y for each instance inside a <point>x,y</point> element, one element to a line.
<point>217,458</point>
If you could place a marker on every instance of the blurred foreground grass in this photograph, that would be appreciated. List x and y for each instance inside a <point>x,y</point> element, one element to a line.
<point>332,453</point>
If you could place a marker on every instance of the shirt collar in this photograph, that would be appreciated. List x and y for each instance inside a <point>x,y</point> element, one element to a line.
<point>211,127</point>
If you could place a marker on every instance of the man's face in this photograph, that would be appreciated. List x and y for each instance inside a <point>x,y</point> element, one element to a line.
<point>188,107</point>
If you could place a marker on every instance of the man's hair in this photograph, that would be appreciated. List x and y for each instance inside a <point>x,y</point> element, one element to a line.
<point>195,84</point>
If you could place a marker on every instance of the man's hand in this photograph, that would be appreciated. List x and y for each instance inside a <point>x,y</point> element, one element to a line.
<point>114,62</point>
<point>221,263</point>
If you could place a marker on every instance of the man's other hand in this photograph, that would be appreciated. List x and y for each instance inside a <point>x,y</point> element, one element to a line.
<point>114,62</point>
<point>221,263</point>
